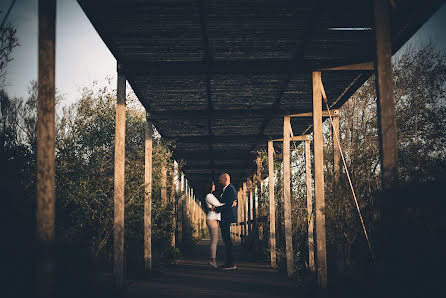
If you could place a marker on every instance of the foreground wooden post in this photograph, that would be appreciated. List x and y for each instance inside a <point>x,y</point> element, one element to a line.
<point>309,207</point>
<point>45,180</point>
<point>118,224</point>
<point>319,181</point>
<point>272,205</point>
<point>148,198</point>
<point>287,195</point>
<point>384,89</point>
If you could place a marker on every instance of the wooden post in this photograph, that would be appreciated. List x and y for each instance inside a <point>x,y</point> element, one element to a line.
<point>259,182</point>
<point>336,151</point>
<point>287,195</point>
<point>148,198</point>
<point>249,196</point>
<point>164,183</point>
<point>46,133</point>
<point>309,207</point>
<point>246,214</point>
<point>180,209</point>
<point>384,89</point>
<point>118,225</point>
<point>319,181</point>
<point>272,205</point>
<point>173,204</point>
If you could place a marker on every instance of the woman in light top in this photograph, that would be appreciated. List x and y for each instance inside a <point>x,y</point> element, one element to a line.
<point>212,219</point>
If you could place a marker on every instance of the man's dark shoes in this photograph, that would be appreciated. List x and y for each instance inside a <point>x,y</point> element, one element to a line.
<point>227,267</point>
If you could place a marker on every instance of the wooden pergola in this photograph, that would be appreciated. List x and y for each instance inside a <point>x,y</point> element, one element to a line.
<point>224,79</point>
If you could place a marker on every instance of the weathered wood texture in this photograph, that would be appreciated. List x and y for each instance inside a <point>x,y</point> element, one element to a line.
<point>46,111</point>
<point>45,178</point>
<point>319,181</point>
<point>384,89</point>
<point>119,172</point>
<point>287,196</point>
<point>148,198</point>
<point>310,219</point>
<point>272,205</point>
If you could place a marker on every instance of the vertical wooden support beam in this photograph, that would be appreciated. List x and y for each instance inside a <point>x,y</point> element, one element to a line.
<point>336,151</point>
<point>257,196</point>
<point>246,214</point>
<point>384,89</point>
<point>173,204</point>
<point>310,220</point>
<point>46,130</point>
<point>164,183</point>
<point>319,181</point>
<point>287,195</point>
<point>148,198</point>
<point>249,196</point>
<point>180,209</point>
<point>118,225</point>
<point>239,210</point>
<point>46,134</point>
<point>272,205</point>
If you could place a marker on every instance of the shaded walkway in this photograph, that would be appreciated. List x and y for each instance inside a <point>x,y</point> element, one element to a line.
<point>191,277</point>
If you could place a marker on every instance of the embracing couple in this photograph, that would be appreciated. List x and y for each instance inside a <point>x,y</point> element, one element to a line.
<point>221,212</point>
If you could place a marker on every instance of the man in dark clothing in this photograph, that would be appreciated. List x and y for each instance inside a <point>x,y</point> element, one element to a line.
<point>228,215</point>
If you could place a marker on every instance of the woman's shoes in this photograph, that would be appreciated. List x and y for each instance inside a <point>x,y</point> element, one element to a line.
<point>213,265</point>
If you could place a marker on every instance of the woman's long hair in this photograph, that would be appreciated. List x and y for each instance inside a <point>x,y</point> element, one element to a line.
<point>207,189</point>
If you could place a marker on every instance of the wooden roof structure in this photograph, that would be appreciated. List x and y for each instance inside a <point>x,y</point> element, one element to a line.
<point>218,76</point>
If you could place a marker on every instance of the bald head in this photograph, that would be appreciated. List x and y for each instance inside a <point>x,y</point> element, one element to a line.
<point>224,179</point>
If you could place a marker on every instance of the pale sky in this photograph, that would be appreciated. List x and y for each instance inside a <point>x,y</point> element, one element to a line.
<point>82,57</point>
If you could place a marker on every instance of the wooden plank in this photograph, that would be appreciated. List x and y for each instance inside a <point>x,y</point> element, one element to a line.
<point>295,138</point>
<point>272,205</point>
<point>287,196</point>
<point>336,151</point>
<point>46,134</point>
<point>310,220</point>
<point>118,224</point>
<point>387,133</point>
<point>358,66</point>
<point>225,67</point>
<point>319,181</point>
<point>333,112</point>
<point>148,198</point>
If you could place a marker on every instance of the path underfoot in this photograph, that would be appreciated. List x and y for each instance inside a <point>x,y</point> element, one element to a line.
<point>192,277</point>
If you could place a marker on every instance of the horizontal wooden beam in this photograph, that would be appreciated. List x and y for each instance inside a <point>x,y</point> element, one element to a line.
<point>222,67</point>
<point>358,66</point>
<point>296,138</point>
<point>333,112</point>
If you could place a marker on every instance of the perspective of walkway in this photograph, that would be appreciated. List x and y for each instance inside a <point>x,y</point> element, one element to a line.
<point>192,277</point>
<point>224,80</point>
